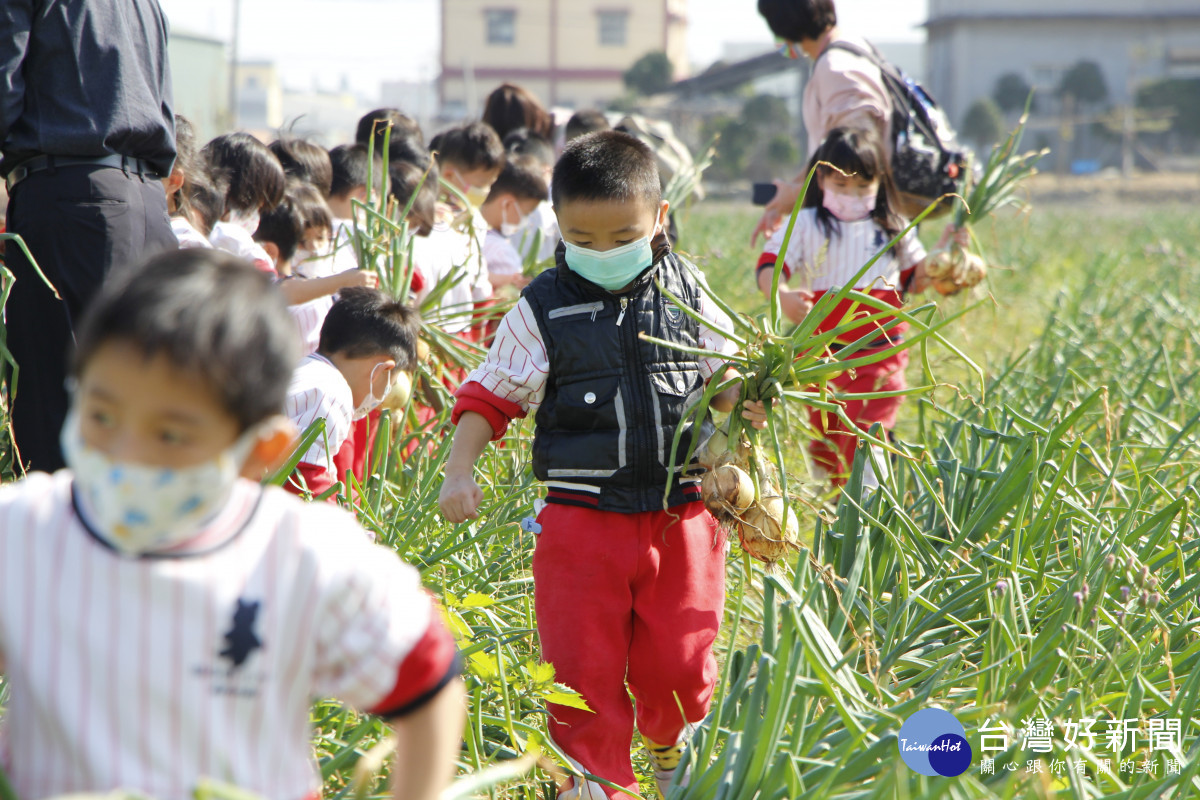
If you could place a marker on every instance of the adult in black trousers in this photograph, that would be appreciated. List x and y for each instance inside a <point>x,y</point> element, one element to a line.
<point>86,132</point>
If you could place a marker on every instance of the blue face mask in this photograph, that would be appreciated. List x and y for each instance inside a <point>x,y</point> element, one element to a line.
<point>611,269</point>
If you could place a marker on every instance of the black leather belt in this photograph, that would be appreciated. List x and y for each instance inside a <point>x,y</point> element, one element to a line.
<point>38,163</point>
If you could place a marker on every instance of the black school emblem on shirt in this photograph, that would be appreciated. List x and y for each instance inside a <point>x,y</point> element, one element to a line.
<point>240,640</point>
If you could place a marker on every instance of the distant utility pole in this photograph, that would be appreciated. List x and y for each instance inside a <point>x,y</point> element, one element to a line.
<point>233,61</point>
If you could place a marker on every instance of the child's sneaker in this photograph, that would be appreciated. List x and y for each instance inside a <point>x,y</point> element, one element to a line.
<point>665,758</point>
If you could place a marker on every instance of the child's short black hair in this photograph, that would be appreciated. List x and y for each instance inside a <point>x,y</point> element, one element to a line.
<point>311,207</point>
<point>283,225</point>
<point>374,125</point>
<point>608,165</point>
<point>306,161</point>
<point>351,166</point>
<point>410,181</point>
<point>366,322</point>
<point>584,122</point>
<point>252,174</point>
<point>522,178</point>
<point>521,142</point>
<point>469,147</point>
<point>796,20</point>
<point>406,147</point>
<point>509,107</point>
<point>205,198</point>
<point>211,314</point>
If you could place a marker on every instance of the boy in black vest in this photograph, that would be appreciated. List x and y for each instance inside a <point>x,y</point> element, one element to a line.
<point>625,590</point>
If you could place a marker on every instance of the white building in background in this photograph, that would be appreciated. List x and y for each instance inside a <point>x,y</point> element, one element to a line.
<point>327,117</point>
<point>259,99</point>
<point>569,53</point>
<point>200,78</point>
<point>972,43</point>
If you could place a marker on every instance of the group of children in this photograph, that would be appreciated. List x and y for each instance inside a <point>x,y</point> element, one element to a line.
<point>209,611</point>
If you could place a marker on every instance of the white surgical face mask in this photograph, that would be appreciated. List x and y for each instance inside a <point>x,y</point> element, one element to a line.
<point>138,508</point>
<point>246,220</point>
<point>371,401</point>
<point>848,207</point>
<point>510,228</point>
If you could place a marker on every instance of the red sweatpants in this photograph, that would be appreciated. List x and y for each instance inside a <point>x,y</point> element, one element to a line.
<point>834,449</point>
<point>628,599</point>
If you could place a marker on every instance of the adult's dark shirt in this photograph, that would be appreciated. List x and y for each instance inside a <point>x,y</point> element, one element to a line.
<point>81,78</point>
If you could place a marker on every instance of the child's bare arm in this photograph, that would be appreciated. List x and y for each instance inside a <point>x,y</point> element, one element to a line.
<point>460,496</point>
<point>302,291</point>
<point>427,741</point>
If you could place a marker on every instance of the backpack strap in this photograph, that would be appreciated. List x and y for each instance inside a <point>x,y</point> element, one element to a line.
<point>906,107</point>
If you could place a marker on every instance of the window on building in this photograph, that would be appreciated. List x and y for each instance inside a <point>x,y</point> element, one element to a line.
<point>613,27</point>
<point>501,25</point>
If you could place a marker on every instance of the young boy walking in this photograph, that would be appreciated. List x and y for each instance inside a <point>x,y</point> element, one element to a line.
<point>628,595</point>
<point>164,619</point>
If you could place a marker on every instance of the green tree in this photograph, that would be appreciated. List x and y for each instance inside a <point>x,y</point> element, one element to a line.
<point>650,74</point>
<point>782,152</point>
<point>1011,92</point>
<point>767,112</point>
<point>1179,95</point>
<point>1085,82</point>
<point>735,144</point>
<point>984,122</point>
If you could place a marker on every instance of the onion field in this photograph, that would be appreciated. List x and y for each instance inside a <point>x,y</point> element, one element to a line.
<point>1031,565</point>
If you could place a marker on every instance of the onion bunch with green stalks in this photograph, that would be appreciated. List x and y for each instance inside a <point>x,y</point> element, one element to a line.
<point>958,267</point>
<point>745,485</point>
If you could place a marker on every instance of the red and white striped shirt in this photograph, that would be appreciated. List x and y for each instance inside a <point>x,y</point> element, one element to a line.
<point>821,262</point>
<point>150,673</point>
<point>318,390</point>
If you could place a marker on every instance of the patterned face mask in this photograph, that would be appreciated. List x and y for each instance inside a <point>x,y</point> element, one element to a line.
<point>138,508</point>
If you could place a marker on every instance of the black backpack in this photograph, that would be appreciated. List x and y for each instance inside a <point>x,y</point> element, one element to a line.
<point>927,160</point>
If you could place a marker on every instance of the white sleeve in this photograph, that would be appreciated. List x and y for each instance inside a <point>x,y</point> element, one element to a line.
<point>309,404</point>
<point>712,335</point>
<point>502,257</point>
<point>516,365</point>
<point>372,616</point>
<point>797,256</point>
<point>909,250</point>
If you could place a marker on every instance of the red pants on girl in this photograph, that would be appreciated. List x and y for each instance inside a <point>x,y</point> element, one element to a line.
<point>833,450</point>
<point>628,599</point>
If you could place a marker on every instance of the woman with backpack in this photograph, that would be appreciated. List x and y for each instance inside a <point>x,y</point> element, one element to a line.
<point>844,89</point>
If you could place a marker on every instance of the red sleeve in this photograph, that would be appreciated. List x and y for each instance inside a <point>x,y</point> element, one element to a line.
<point>343,459</point>
<point>316,478</point>
<point>471,396</point>
<point>430,665</point>
<point>767,260</point>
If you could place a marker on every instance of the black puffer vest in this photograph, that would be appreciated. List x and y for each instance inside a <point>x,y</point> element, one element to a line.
<point>613,400</point>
